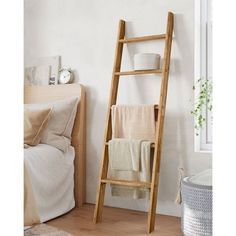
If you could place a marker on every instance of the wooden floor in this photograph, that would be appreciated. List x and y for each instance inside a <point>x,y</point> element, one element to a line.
<point>79,222</point>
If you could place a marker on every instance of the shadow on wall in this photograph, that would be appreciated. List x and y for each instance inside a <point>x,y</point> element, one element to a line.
<point>76,77</point>
<point>95,115</point>
<point>177,137</point>
<point>186,49</point>
<point>173,156</point>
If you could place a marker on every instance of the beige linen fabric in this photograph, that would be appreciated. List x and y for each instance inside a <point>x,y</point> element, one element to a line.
<point>31,215</point>
<point>59,129</point>
<point>35,123</point>
<point>133,122</point>
<point>129,172</point>
<point>124,154</point>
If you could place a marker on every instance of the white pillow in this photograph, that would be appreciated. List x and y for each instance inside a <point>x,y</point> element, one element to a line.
<point>60,125</point>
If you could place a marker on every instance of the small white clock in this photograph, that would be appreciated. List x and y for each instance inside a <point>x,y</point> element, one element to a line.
<point>66,76</point>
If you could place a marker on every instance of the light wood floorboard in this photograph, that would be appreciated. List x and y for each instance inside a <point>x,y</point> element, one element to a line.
<point>116,221</point>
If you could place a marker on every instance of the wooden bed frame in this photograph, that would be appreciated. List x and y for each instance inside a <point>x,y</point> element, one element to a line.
<point>40,94</point>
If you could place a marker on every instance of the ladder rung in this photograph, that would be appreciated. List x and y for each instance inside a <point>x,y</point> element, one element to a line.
<point>126,183</point>
<point>156,107</point>
<point>143,38</point>
<point>138,72</point>
<point>152,145</point>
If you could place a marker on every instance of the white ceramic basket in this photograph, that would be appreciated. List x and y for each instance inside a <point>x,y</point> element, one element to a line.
<point>146,61</point>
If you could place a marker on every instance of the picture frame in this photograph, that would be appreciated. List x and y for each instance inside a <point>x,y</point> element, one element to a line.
<point>44,72</point>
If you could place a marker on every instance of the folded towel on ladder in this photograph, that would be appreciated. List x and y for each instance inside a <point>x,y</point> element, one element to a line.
<point>129,160</point>
<point>124,154</point>
<point>133,122</point>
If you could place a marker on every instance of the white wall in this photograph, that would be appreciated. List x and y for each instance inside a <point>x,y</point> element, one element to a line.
<point>84,34</point>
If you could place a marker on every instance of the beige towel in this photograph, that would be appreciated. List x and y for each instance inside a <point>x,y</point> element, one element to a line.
<point>133,122</point>
<point>31,215</point>
<point>124,154</point>
<point>142,175</point>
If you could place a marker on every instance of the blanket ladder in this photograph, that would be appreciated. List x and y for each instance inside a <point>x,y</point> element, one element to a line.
<point>153,185</point>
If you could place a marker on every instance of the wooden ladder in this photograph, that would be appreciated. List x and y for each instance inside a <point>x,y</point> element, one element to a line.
<point>153,185</point>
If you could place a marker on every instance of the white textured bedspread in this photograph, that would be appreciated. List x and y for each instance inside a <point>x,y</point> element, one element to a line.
<point>51,173</point>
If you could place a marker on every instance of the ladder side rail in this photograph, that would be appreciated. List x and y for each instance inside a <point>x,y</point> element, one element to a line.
<point>108,130</point>
<point>160,125</point>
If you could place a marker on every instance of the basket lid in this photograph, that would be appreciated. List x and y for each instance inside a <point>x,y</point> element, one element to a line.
<point>203,178</point>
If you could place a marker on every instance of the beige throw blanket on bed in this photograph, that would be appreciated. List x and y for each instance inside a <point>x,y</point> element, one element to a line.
<point>133,122</point>
<point>31,215</point>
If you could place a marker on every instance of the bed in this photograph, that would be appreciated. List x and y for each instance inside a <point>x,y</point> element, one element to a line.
<point>62,171</point>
